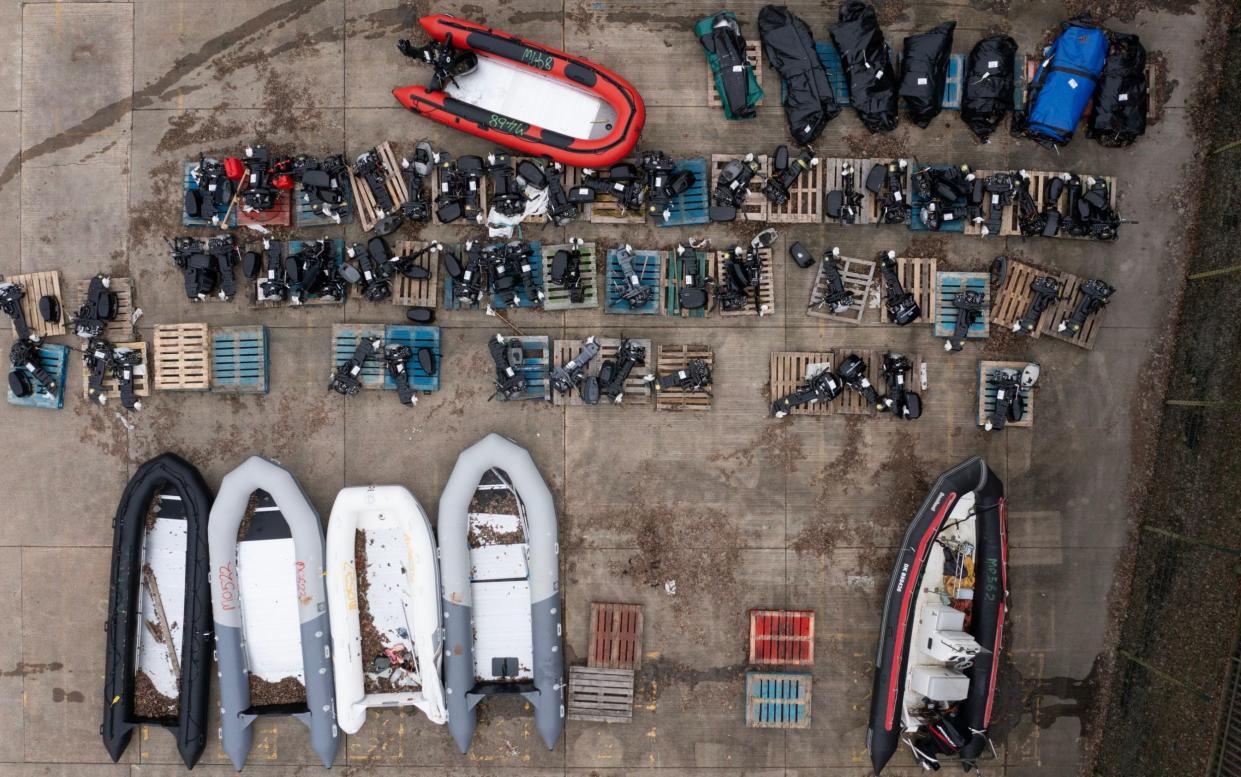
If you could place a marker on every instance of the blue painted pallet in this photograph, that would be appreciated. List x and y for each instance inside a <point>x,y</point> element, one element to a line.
<point>777,699</point>
<point>415,337</point>
<point>306,216</point>
<point>190,185</point>
<point>949,283</point>
<point>835,71</point>
<point>55,359</point>
<point>239,359</point>
<point>536,264</point>
<point>674,276</point>
<point>450,286</point>
<point>535,367</point>
<point>916,202</point>
<point>647,265</point>
<point>345,339</point>
<point>338,253</point>
<point>691,206</point>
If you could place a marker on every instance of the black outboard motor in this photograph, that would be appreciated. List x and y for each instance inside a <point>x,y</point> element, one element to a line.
<point>1009,397</point>
<point>743,274</point>
<point>572,374</point>
<point>834,295</point>
<point>615,371</point>
<point>845,203</point>
<point>853,372</point>
<point>28,373</point>
<point>732,186</point>
<point>823,387</point>
<point>446,60</point>
<point>664,183</point>
<point>323,184</point>
<point>886,183</point>
<point>11,295</point>
<point>345,380</point>
<point>901,402</point>
<point>566,270</point>
<point>369,168</point>
<point>417,208</point>
<point>1046,290</point>
<point>468,276</point>
<point>942,188</point>
<point>632,290</point>
<point>102,359</point>
<point>397,359</point>
<point>100,307</point>
<point>459,195</point>
<point>508,196</point>
<point>786,171</point>
<point>275,284</point>
<point>1029,217</point>
<point>623,181</point>
<point>695,377</point>
<point>560,210</point>
<point>374,272</point>
<point>1000,189</point>
<point>969,306</point>
<point>902,307</point>
<point>1095,294</point>
<point>260,192</point>
<point>215,190</point>
<point>509,382</point>
<point>694,282</point>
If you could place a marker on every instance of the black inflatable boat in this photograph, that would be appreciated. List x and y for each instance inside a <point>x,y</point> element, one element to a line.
<point>943,623</point>
<point>164,506</point>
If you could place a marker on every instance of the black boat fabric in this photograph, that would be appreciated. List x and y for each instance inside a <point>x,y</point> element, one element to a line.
<point>867,61</point>
<point>165,473</point>
<point>924,69</point>
<point>988,90</point>
<point>809,103</point>
<point>1120,105</point>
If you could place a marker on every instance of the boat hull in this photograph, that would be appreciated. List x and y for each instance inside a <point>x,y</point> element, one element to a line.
<point>885,730</point>
<point>542,60</point>
<point>190,729</point>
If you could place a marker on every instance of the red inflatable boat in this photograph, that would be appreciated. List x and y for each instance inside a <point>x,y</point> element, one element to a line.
<point>526,96</point>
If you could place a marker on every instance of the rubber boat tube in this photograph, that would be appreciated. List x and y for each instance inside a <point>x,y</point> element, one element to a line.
<point>236,715</point>
<point>516,79</point>
<point>545,688</point>
<point>165,474</point>
<point>973,714</point>
<point>399,534</point>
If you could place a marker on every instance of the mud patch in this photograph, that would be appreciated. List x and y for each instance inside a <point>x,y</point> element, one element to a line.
<point>867,145</point>
<point>150,703</point>
<point>1126,10</point>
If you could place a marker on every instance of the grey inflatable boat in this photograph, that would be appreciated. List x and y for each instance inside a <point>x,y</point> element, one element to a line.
<point>273,646</point>
<point>500,570</point>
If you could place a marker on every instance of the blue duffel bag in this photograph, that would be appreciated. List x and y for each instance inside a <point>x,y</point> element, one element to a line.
<point>1064,82</point>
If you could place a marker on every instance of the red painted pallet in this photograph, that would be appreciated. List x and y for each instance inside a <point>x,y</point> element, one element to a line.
<point>782,637</point>
<point>615,636</point>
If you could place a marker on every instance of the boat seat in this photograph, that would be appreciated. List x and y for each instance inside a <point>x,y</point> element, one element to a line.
<point>939,683</point>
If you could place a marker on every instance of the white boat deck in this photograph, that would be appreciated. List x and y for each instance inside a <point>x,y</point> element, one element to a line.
<point>271,626</point>
<point>388,593</point>
<point>500,590</point>
<point>163,550</point>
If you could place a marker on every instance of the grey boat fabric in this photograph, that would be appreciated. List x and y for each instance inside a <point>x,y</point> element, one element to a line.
<point>462,691</point>
<point>227,513</point>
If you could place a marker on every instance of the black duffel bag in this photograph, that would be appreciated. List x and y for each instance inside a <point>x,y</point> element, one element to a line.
<point>1120,104</point>
<point>867,61</point>
<point>924,69</point>
<point>988,89</point>
<point>809,103</point>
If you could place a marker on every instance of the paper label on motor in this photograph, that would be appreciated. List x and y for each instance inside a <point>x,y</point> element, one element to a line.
<point>896,196</point>
<point>948,217</point>
<point>681,375</point>
<point>634,280</point>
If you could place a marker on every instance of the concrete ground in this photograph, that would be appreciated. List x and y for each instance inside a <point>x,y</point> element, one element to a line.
<point>101,102</point>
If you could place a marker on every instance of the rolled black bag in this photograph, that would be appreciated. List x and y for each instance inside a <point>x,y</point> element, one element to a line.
<point>924,69</point>
<point>867,61</point>
<point>988,88</point>
<point>809,103</point>
<point>1120,105</point>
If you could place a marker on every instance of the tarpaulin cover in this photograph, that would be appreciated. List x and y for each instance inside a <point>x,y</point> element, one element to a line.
<point>1119,116</point>
<point>868,64</point>
<point>924,69</point>
<point>721,39</point>
<point>789,47</point>
<point>988,84</point>
<point>1064,83</point>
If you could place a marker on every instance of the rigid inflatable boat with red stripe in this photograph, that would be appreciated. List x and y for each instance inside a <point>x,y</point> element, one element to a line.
<point>526,96</point>
<point>943,623</point>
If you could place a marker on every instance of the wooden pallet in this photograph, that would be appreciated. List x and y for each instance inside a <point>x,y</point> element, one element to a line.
<point>304,215</point>
<point>364,201</point>
<point>280,214</point>
<point>422,293</point>
<point>858,275</point>
<point>790,369</point>
<point>691,207</point>
<point>805,205</point>
<point>181,357</point>
<point>670,359</point>
<point>1070,295</point>
<point>972,228</point>
<point>851,402</point>
<point>755,206</point>
<point>557,296</point>
<point>290,248</point>
<point>563,352</point>
<point>833,180</point>
<point>766,290</point>
<point>948,284</point>
<point>535,367</point>
<point>649,265</point>
<point>600,695</point>
<point>239,359</point>
<point>345,338</point>
<point>111,389</point>
<point>753,53</point>
<point>781,637</point>
<point>986,394</point>
<point>918,277</point>
<point>604,209</point>
<point>416,337</point>
<point>674,279</point>
<point>637,390</point>
<point>35,286</point>
<point>55,360</point>
<point>917,202</point>
<point>870,205</point>
<point>121,327</point>
<point>1013,300</point>
<point>777,699</point>
<point>615,636</point>
<point>569,177</point>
